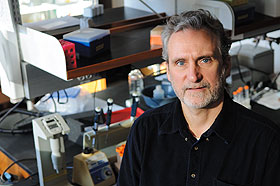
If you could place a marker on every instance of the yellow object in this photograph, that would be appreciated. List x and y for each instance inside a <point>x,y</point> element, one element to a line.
<point>92,169</point>
<point>95,86</point>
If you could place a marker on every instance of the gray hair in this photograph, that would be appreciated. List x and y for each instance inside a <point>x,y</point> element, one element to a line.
<point>195,20</point>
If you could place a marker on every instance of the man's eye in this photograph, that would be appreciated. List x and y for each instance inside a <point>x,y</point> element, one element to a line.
<point>205,60</point>
<point>180,63</point>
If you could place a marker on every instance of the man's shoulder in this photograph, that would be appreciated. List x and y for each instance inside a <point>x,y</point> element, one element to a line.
<point>159,111</point>
<point>156,115</point>
<point>255,122</point>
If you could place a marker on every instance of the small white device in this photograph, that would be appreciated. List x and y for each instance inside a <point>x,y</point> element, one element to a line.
<point>48,134</point>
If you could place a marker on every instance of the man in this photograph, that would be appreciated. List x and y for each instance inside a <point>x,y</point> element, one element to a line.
<point>204,138</point>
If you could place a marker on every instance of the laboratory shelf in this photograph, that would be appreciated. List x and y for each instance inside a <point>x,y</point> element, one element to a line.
<point>130,39</point>
<point>131,46</point>
<point>126,48</point>
<point>112,18</point>
<point>262,24</point>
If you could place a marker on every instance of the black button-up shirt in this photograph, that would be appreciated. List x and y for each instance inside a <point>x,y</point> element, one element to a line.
<point>241,148</point>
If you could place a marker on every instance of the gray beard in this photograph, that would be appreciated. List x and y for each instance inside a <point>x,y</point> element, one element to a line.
<point>208,101</point>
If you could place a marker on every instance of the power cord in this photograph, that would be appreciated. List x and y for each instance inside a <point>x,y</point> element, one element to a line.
<point>6,112</point>
<point>51,97</point>
<point>238,65</point>
<point>10,110</point>
<point>26,159</point>
<point>58,97</point>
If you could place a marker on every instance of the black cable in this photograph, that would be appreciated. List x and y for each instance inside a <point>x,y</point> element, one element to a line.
<point>31,175</point>
<point>10,110</point>
<point>58,97</point>
<point>18,110</point>
<point>55,109</point>
<point>15,131</point>
<point>51,97</point>
<point>15,125</point>
<point>274,80</point>
<point>22,111</point>
<point>26,159</point>
<point>47,98</point>
<point>238,65</point>
<point>257,70</point>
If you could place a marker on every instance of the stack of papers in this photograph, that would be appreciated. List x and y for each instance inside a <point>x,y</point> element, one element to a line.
<point>271,100</point>
<point>53,24</point>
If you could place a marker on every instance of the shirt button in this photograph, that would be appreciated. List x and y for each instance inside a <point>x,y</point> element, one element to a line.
<point>193,175</point>
<point>195,148</point>
<point>186,139</point>
<point>207,139</point>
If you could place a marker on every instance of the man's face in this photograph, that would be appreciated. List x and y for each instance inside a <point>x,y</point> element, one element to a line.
<point>195,68</point>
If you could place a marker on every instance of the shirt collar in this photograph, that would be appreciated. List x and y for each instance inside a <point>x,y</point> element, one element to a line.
<point>223,126</point>
<point>175,120</point>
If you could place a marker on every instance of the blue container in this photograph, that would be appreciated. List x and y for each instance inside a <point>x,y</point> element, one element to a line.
<point>89,41</point>
<point>147,94</point>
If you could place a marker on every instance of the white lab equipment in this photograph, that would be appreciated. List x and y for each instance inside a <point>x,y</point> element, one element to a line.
<point>92,167</point>
<point>48,134</point>
<point>25,70</point>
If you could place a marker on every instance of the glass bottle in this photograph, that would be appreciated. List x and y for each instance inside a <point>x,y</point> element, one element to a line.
<point>135,82</point>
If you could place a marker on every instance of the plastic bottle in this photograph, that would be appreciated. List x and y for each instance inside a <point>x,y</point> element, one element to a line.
<point>158,92</point>
<point>240,95</point>
<point>247,97</point>
<point>135,82</point>
<point>246,89</point>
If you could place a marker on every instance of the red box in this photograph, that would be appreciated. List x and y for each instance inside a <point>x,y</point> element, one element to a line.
<point>70,53</point>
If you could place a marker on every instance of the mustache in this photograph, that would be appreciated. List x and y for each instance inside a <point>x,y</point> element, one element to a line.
<point>197,85</point>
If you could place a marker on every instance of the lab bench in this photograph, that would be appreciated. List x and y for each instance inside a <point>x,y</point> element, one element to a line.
<point>18,147</point>
<point>14,147</point>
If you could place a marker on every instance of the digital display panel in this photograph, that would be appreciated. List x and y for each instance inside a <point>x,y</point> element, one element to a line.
<point>53,126</point>
<point>49,121</point>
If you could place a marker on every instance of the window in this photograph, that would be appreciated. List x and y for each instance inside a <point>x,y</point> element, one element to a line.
<point>38,10</point>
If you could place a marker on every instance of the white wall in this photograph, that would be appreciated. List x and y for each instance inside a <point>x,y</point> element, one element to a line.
<point>167,6</point>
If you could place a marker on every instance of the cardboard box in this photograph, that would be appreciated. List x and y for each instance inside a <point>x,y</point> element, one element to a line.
<point>155,35</point>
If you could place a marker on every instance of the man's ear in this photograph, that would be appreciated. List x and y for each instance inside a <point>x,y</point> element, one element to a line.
<point>167,71</point>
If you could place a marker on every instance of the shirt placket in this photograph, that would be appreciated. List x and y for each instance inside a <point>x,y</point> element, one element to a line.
<point>194,165</point>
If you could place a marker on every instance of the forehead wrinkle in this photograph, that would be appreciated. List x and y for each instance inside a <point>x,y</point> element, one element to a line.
<point>194,47</point>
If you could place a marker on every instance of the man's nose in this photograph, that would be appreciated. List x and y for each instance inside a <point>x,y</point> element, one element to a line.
<point>194,74</point>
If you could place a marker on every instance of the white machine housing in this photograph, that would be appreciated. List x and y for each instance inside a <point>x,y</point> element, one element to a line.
<point>48,134</point>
